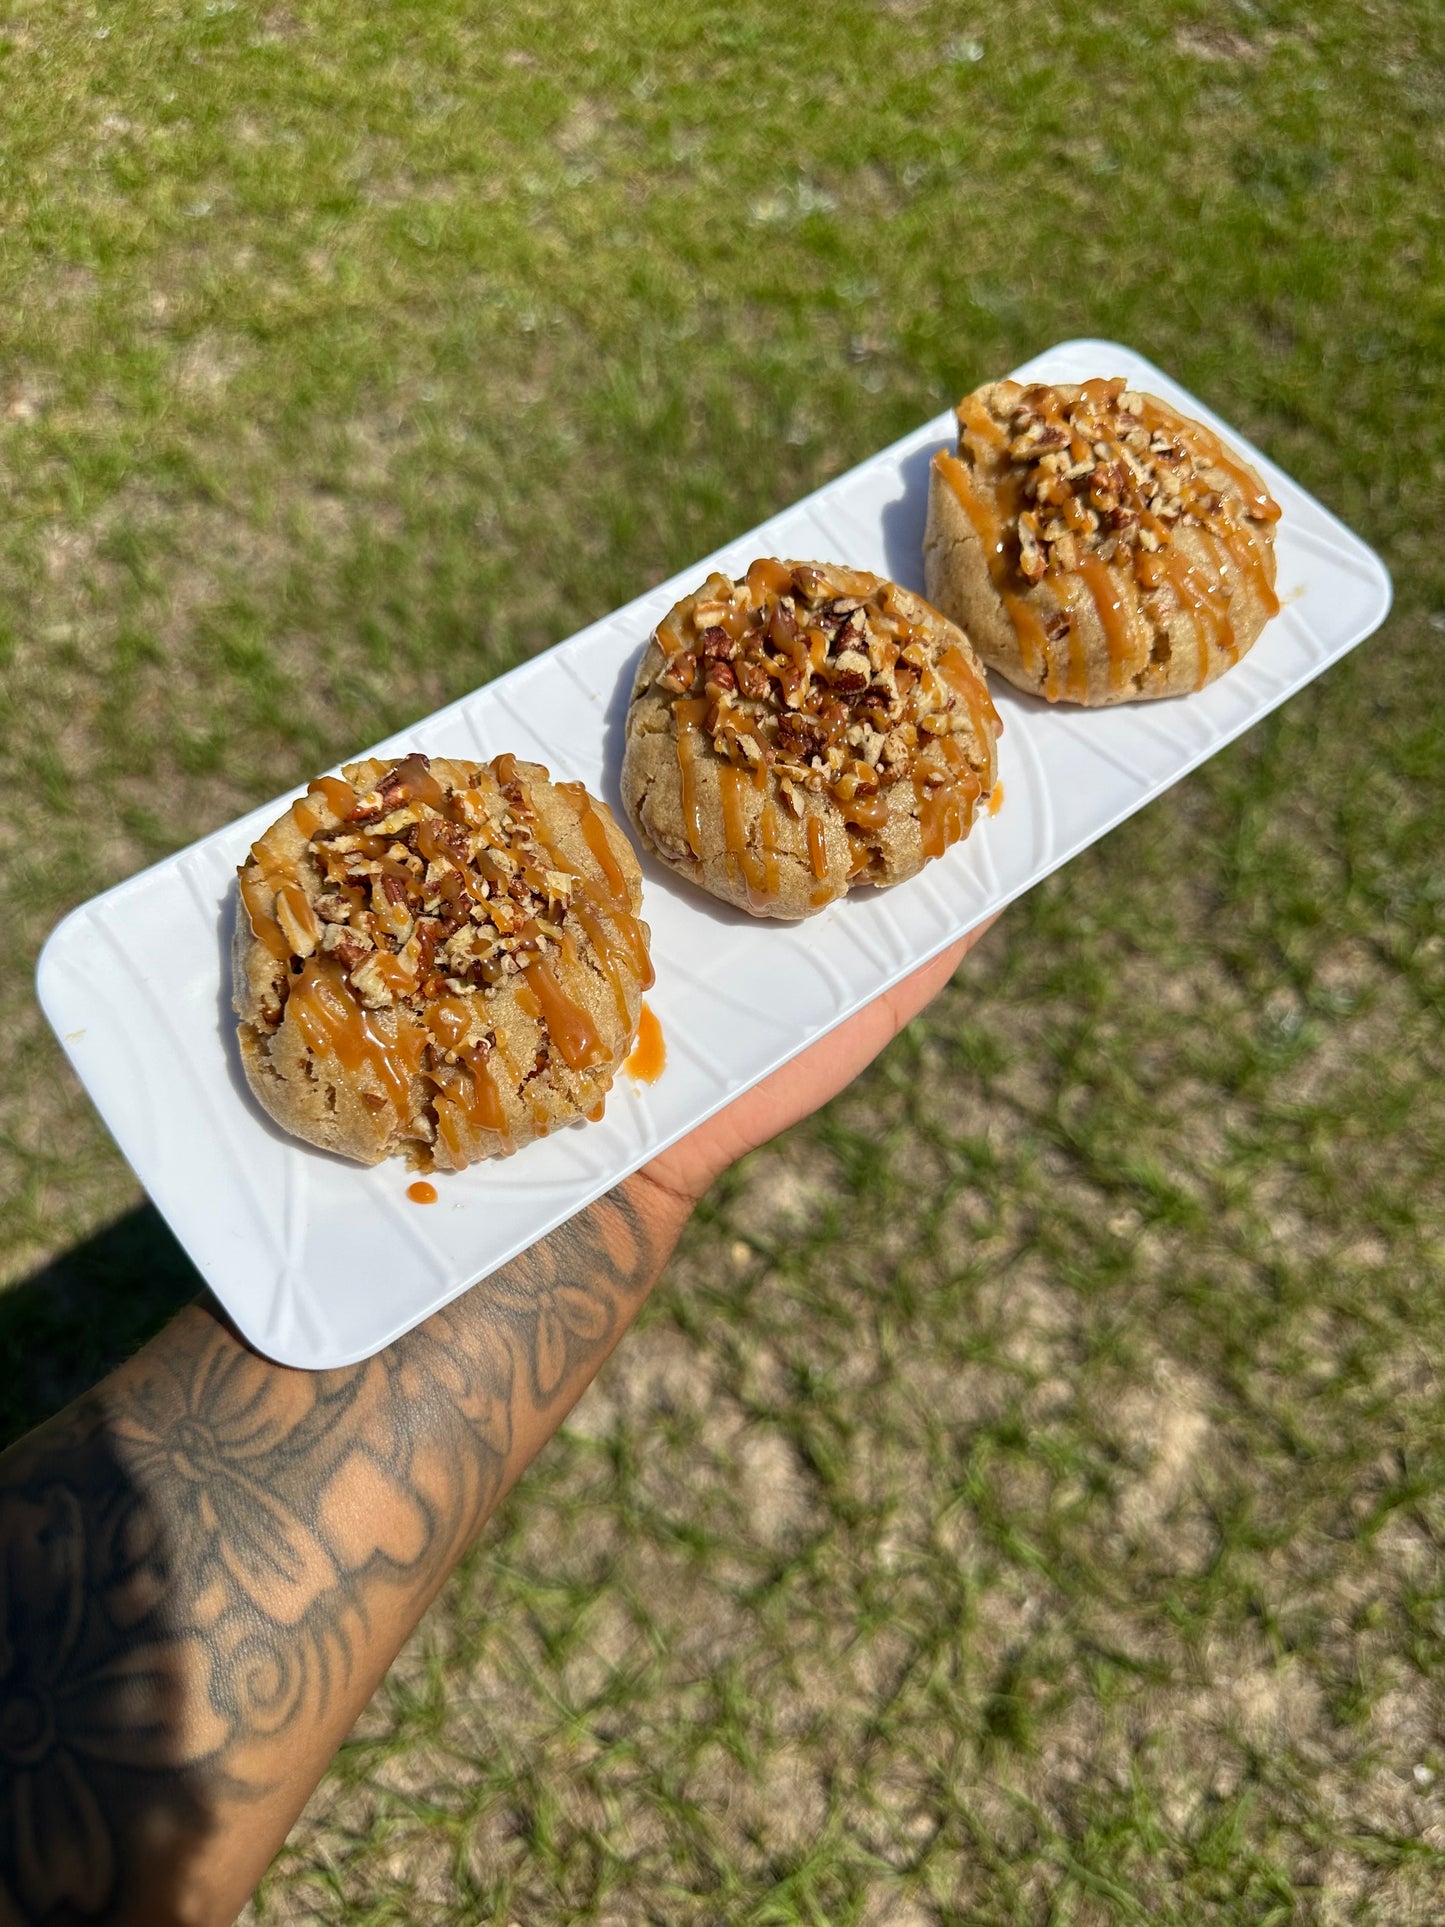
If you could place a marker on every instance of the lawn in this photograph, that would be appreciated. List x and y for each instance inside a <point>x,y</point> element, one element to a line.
<point>1023,1502</point>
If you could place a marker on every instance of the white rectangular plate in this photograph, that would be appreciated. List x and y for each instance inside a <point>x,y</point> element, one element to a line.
<point>320,1262</point>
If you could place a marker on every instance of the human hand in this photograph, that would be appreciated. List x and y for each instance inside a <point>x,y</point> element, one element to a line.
<point>803,1085</point>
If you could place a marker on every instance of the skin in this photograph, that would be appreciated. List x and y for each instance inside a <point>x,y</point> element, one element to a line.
<point>208,1563</point>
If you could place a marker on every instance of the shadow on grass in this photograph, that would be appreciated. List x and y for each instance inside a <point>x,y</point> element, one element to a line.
<point>79,1316</point>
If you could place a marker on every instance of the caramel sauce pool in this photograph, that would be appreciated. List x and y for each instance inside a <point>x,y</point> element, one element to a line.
<point>649,1053</point>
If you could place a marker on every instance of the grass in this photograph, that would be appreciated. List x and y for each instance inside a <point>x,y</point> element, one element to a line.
<point>1023,1503</point>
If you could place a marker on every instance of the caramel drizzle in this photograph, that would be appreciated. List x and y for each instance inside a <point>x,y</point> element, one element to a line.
<point>1108,599</point>
<point>1246,553</point>
<point>754,872</point>
<point>752,843</point>
<point>278,874</point>
<point>568,1024</point>
<point>946,798</point>
<point>594,833</point>
<point>264,927</point>
<point>689,714</point>
<point>768,837</point>
<point>987,525</point>
<point>960,676</point>
<point>817,848</point>
<point>339,796</point>
<point>1195,594</point>
<point>273,872</point>
<point>333,1023</point>
<point>1034,649</point>
<point>298,907</point>
<point>625,945</point>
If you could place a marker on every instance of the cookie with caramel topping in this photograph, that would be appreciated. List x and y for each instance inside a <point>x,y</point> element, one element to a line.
<point>804,729</point>
<point>1099,546</point>
<point>439,959</point>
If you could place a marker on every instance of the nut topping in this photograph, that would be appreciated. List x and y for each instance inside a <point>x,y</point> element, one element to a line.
<point>827,689</point>
<point>1092,478</point>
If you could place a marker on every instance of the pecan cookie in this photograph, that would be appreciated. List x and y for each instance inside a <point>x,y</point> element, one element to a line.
<point>802,730</point>
<point>1098,546</point>
<point>438,958</point>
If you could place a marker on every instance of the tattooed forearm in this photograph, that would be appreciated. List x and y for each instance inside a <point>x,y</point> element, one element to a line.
<point>206,1565</point>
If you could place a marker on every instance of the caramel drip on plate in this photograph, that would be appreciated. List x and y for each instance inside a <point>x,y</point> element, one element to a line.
<point>995,799</point>
<point>817,848</point>
<point>568,1024</point>
<point>334,1024</point>
<point>421,1192</point>
<point>689,715</point>
<point>649,1053</point>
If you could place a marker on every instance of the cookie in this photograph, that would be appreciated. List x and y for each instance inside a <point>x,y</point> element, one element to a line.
<point>802,730</point>
<point>440,959</point>
<point>1098,546</point>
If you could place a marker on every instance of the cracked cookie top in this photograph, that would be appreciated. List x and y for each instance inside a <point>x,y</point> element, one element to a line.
<point>802,729</point>
<point>442,958</point>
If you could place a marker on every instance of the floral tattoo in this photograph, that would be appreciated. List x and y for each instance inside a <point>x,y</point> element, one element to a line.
<point>190,1558</point>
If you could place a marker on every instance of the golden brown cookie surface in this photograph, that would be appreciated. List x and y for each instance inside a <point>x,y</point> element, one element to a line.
<point>804,729</point>
<point>1098,546</point>
<point>440,958</point>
